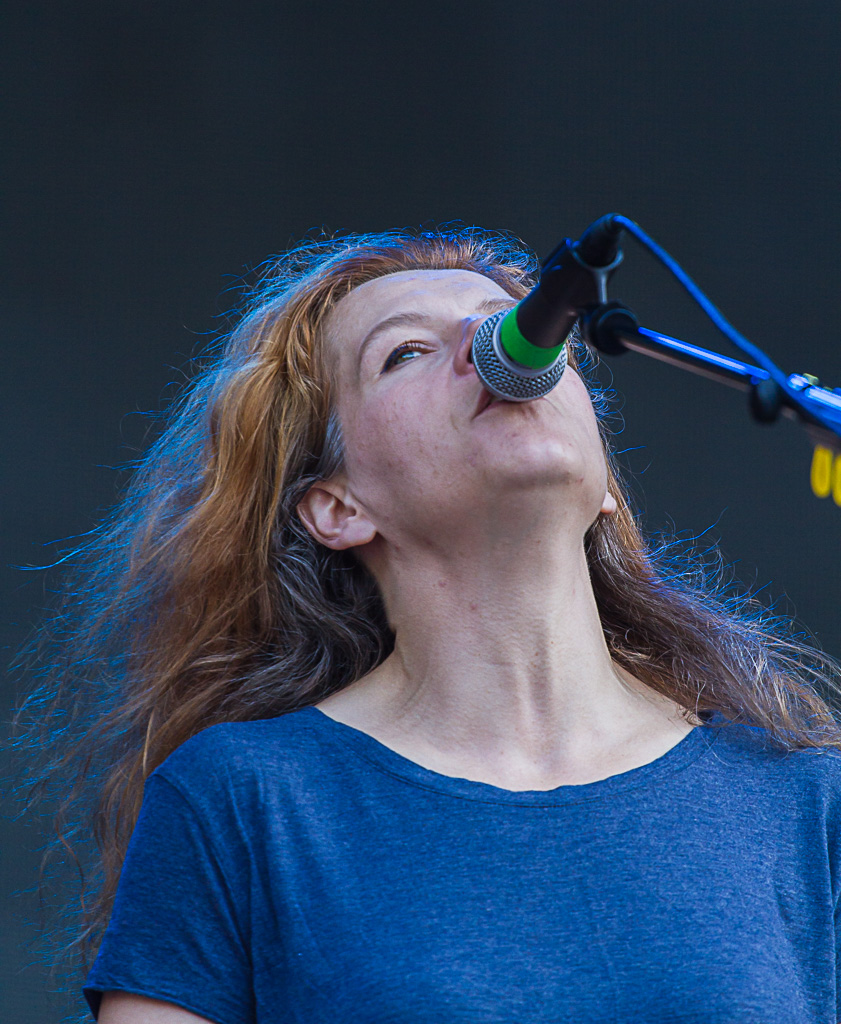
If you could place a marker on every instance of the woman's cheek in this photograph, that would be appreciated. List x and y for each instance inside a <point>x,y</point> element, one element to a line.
<point>376,447</point>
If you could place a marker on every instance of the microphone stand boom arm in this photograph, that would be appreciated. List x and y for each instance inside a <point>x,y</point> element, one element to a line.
<point>613,329</point>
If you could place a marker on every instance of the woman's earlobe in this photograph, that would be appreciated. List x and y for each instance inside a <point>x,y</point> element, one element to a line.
<point>609,504</point>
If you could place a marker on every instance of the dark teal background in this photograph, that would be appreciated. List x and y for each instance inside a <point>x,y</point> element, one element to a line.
<point>154,152</point>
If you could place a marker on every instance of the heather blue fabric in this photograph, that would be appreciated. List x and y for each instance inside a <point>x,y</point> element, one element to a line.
<point>297,870</point>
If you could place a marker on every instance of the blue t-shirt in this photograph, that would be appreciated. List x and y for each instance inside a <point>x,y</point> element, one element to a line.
<point>297,870</point>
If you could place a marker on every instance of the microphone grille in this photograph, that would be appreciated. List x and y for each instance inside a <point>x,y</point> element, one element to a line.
<point>501,376</point>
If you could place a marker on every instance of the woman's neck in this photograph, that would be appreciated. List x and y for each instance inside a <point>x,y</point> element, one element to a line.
<point>500,658</point>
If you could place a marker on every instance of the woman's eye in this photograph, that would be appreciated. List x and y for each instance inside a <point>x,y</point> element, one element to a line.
<point>395,357</point>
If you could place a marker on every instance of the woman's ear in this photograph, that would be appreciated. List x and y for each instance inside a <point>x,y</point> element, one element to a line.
<point>609,504</point>
<point>332,516</point>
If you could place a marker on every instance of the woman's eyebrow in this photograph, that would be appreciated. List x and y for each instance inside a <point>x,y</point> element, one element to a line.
<point>411,318</point>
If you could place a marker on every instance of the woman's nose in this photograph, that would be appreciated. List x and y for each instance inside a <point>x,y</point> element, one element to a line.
<point>463,359</point>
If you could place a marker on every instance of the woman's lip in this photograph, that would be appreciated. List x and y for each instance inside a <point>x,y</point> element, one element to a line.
<point>493,400</point>
<point>485,399</point>
<point>488,399</point>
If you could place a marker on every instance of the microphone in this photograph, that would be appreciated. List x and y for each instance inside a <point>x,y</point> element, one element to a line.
<point>520,353</point>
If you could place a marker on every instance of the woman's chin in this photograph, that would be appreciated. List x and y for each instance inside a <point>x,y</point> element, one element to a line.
<point>541,462</point>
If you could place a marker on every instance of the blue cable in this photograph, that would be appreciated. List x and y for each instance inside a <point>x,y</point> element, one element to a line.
<point>726,328</point>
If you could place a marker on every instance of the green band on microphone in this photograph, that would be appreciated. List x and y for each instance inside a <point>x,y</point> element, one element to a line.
<point>521,350</point>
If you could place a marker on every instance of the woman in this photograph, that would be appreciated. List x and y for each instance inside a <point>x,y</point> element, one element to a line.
<point>424,729</point>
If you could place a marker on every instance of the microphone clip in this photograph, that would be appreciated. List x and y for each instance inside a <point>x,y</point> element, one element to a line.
<point>601,274</point>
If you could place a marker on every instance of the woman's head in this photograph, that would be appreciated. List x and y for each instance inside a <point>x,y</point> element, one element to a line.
<point>426,458</point>
<point>292,351</point>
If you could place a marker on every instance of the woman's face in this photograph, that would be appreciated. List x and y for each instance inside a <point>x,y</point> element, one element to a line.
<point>426,455</point>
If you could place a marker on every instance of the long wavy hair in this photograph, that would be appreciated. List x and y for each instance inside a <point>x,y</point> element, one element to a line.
<point>203,599</point>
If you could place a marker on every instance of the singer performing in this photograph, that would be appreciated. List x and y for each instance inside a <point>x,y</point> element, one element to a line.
<point>425,729</point>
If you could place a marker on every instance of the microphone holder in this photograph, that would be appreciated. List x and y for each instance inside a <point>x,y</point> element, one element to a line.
<point>613,329</point>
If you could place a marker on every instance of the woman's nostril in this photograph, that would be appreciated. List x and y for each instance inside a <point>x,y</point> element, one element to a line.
<point>471,326</point>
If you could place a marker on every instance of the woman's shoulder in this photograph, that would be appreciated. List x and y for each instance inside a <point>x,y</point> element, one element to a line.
<point>813,768</point>
<point>236,752</point>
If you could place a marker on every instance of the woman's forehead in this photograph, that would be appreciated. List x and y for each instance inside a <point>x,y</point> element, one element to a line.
<point>404,290</point>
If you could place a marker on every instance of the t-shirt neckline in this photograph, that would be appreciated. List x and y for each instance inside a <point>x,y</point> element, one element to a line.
<point>684,752</point>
